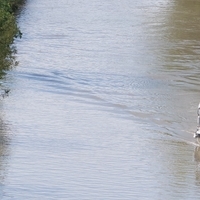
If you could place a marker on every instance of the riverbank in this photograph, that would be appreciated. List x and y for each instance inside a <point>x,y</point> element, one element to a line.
<point>8,31</point>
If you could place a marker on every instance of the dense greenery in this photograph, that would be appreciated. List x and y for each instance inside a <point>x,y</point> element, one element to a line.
<point>8,31</point>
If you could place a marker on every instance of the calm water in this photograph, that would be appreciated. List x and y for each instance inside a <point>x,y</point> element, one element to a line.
<point>103,102</point>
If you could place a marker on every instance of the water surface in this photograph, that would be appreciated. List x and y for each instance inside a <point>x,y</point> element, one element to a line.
<point>103,103</point>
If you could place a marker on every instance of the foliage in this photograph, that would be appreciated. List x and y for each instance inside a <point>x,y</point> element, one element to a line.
<point>8,31</point>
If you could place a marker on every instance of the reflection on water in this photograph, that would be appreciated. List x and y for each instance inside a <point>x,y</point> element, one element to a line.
<point>197,159</point>
<point>103,102</point>
<point>6,60</point>
<point>4,154</point>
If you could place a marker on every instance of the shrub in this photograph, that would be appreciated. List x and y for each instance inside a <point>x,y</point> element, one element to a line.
<point>8,31</point>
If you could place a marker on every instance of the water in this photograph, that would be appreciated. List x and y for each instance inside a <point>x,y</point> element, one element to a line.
<point>103,102</point>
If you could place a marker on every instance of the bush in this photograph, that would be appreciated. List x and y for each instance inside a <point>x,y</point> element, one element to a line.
<point>8,31</point>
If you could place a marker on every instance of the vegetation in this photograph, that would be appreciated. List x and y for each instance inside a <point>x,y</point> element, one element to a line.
<point>8,31</point>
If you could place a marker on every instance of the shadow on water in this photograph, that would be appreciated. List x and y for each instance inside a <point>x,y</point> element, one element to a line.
<point>181,56</point>
<point>182,40</point>
<point>177,49</point>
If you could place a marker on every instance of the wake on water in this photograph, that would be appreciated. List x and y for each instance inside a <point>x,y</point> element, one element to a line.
<point>197,133</point>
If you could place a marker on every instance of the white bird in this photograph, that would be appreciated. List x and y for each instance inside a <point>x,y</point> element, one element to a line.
<point>197,133</point>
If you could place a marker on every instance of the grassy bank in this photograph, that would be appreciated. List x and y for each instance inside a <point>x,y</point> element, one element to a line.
<point>8,31</point>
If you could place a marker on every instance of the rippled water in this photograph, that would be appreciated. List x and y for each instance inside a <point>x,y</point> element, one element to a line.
<point>103,103</point>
